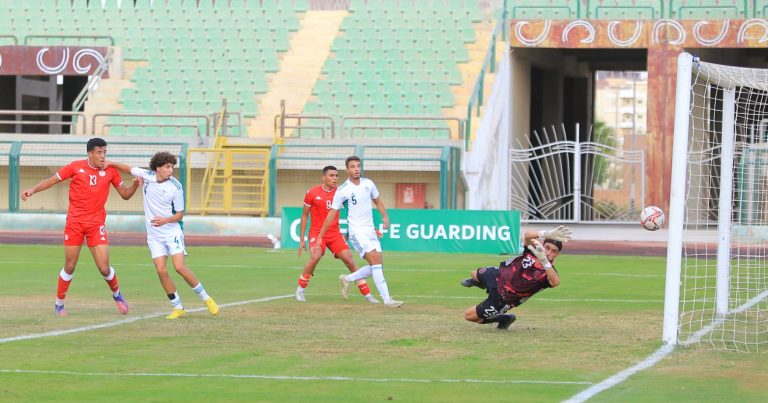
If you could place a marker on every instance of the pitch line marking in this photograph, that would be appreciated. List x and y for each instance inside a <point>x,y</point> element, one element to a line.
<point>294,378</point>
<point>658,355</point>
<point>620,377</point>
<point>54,333</point>
<point>607,300</point>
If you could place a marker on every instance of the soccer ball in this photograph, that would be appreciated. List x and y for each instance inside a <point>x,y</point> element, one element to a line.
<point>652,218</point>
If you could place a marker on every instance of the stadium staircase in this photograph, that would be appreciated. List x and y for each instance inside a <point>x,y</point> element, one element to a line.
<point>299,69</point>
<point>236,180</point>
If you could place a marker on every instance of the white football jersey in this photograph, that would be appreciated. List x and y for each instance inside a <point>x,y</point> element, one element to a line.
<point>358,199</point>
<point>160,200</point>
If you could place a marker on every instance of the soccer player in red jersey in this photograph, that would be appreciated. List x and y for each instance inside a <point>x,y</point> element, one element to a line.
<point>517,279</point>
<point>317,203</point>
<point>86,216</point>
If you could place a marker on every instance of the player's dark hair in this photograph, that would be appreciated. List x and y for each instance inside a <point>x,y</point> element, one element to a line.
<point>160,159</point>
<point>556,243</point>
<point>350,159</point>
<point>95,142</point>
<point>329,168</point>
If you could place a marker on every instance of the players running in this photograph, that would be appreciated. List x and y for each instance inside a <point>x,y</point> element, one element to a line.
<point>163,211</point>
<point>517,279</point>
<point>317,203</point>
<point>359,195</point>
<point>86,216</point>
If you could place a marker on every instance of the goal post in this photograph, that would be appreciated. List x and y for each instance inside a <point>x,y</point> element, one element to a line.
<point>717,252</point>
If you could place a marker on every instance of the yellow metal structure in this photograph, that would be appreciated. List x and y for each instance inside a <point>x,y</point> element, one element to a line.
<point>234,181</point>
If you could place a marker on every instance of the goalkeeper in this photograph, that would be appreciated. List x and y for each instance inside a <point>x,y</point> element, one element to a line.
<point>517,279</point>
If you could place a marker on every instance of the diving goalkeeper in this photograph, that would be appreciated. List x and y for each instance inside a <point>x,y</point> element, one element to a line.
<point>517,279</point>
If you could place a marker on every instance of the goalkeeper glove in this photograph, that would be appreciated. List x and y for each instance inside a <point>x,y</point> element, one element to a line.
<point>561,233</point>
<point>541,255</point>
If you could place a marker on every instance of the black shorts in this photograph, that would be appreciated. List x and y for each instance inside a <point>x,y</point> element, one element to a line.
<point>493,305</point>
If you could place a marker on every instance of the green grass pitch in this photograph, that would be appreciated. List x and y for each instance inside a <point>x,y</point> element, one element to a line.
<point>264,346</point>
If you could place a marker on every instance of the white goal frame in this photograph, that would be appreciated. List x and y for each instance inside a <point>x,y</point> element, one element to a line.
<point>720,308</point>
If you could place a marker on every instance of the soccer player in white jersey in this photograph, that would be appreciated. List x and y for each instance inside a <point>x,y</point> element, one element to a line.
<point>164,209</point>
<point>359,195</point>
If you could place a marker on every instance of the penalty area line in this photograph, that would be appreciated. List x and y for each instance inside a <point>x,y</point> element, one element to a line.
<point>293,377</point>
<point>126,321</point>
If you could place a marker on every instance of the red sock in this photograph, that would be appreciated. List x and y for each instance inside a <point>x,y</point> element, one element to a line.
<point>364,289</point>
<point>304,280</point>
<point>112,283</point>
<point>61,290</point>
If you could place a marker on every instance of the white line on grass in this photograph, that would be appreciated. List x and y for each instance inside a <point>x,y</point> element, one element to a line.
<point>54,333</point>
<point>622,376</point>
<point>295,378</point>
<point>660,354</point>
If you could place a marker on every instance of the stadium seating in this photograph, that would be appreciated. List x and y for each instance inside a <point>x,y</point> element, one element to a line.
<point>394,59</point>
<point>197,54</point>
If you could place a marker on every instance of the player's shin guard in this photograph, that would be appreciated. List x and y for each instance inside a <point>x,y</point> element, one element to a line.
<point>364,289</point>
<point>304,280</point>
<point>61,290</point>
<point>111,280</point>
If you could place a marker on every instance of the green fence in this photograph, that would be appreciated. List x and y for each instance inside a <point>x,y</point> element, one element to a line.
<point>466,231</point>
<point>443,159</point>
<point>45,155</point>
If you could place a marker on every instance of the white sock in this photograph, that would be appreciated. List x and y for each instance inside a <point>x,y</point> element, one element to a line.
<point>360,274</point>
<point>175,300</point>
<point>109,277</point>
<point>200,290</point>
<point>64,276</point>
<point>381,283</point>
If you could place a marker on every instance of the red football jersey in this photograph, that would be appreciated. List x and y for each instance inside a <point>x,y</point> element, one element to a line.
<point>521,277</point>
<point>88,190</point>
<point>319,202</point>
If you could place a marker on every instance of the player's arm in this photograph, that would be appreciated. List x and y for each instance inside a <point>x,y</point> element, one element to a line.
<point>561,233</point>
<point>303,228</point>
<point>126,192</point>
<point>382,210</point>
<point>160,221</point>
<point>43,185</point>
<point>541,255</point>
<point>124,168</point>
<point>327,223</point>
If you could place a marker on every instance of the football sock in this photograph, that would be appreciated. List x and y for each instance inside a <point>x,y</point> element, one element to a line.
<point>61,290</point>
<point>378,277</point>
<point>200,290</point>
<point>360,274</point>
<point>494,319</point>
<point>304,280</point>
<point>364,289</point>
<point>111,280</point>
<point>175,300</point>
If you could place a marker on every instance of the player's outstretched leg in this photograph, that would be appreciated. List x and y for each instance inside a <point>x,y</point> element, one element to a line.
<point>303,283</point>
<point>505,321</point>
<point>344,286</point>
<point>178,308</point>
<point>122,306</point>
<point>59,310</point>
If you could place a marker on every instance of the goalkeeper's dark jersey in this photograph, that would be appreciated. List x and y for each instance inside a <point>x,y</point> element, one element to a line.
<point>520,278</point>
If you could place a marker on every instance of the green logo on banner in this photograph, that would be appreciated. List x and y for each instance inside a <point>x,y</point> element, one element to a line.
<point>456,231</point>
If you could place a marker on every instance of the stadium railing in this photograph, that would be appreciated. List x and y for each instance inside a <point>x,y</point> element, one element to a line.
<point>48,154</point>
<point>16,114</point>
<point>444,160</point>
<point>489,64</point>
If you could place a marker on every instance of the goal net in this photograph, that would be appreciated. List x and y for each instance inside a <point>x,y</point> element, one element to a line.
<point>717,262</point>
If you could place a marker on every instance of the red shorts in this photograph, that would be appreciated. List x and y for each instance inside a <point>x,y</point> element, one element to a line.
<point>75,233</point>
<point>335,242</point>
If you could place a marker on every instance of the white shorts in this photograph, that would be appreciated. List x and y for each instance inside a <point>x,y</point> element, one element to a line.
<point>364,241</point>
<point>167,246</point>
